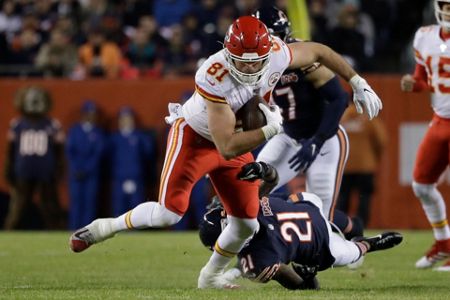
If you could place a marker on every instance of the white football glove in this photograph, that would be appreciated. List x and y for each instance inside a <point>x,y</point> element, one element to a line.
<point>364,96</point>
<point>273,118</point>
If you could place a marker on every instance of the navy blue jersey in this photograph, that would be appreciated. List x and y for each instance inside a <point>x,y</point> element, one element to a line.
<point>301,104</point>
<point>289,232</point>
<point>34,144</point>
<point>130,153</point>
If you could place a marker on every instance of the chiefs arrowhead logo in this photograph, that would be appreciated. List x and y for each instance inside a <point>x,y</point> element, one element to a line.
<point>273,79</point>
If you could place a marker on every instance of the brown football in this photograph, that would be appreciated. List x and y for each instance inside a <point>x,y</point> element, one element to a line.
<point>251,115</point>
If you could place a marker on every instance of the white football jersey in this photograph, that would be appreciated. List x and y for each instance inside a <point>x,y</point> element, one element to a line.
<point>213,82</point>
<point>434,54</point>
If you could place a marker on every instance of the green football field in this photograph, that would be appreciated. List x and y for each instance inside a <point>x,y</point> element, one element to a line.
<point>165,265</point>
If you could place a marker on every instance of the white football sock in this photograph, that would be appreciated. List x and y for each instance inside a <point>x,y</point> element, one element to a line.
<point>147,214</point>
<point>434,206</point>
<point>230,242</point>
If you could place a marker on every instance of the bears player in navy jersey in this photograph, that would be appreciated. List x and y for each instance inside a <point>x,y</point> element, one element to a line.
<point>312,103</point>
<point>293,230</point>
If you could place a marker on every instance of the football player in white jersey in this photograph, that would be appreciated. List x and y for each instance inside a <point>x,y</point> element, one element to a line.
<point>432,52</point>
<point>203,139</point>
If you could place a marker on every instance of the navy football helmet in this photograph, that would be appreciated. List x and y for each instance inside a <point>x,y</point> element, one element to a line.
<point>276,21</point>
<point>214,221</point>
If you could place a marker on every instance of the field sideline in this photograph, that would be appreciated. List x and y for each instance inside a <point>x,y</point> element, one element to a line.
<point>165,265</point>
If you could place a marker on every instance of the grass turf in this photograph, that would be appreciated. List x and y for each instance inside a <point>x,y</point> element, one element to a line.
<point>165,265</point>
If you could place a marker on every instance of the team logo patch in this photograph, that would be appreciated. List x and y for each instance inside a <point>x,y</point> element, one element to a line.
<point>274,78</point>
<point>288,78</point>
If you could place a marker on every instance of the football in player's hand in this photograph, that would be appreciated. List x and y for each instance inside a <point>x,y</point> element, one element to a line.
<point>251,115</point>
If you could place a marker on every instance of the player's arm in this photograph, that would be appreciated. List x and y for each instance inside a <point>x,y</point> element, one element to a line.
<point>306,53</point>
<point>260,170</point>
<point>330,89</point>
<point>336,102</point>
<point>287,277</point>
<point>221,124</point>
<point>416,82</point>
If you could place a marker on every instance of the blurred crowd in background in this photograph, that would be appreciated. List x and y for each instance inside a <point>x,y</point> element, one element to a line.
<point>130,39</point>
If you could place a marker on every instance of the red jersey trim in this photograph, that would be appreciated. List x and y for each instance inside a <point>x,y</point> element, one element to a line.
<point>208,96</point>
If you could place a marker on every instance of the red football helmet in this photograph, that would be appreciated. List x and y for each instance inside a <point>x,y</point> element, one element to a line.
<point>443,17</point>
<point>248,41</point>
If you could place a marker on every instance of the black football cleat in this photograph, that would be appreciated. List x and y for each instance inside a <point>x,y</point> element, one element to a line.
<point>381,241</point>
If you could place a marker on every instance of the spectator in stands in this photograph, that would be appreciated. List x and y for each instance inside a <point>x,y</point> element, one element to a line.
<point>10,22</point>
<point>367,141</point>
<point>178,60</point>
<point>84,152</point>
<point>58,57</point>
<point>144,53</point>
<point>207,13</point>
<point>319,21</point>
<point>246,7</point>
<point>94,10</point>
<point>70,27</point>
<point>170,12</point>
<point>212,41</point>
<point>46,16</point>
<point>347,30</point>
<point>192,34</point>
<point>68,8</point>
<point>99,57</point>
<point>134,10</point>
<point>132,155</point>
<point>149,25</point>
<point>34,159</point>
<point>24,48</point>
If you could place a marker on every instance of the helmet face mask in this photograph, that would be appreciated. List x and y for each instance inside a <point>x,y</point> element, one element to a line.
<point>276,21</point>
<point>442,16</point>
<point>248,41</point>
<point>247,78</point>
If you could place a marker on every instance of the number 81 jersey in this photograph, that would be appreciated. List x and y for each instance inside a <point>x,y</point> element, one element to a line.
<point>213,82</point>
<point>432,52</point>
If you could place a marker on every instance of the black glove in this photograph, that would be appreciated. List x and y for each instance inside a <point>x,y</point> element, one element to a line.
<point>253,171</point>
<point>308,274</point>
<point>303,159</point>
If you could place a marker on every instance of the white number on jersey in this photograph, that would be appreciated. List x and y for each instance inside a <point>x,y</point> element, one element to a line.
<point>289,93</point>
<point>33,142</point>
<point>288,226</point>
<point>443,71</point>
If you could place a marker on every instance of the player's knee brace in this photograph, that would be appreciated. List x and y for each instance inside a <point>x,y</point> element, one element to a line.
<point>424,192</point>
